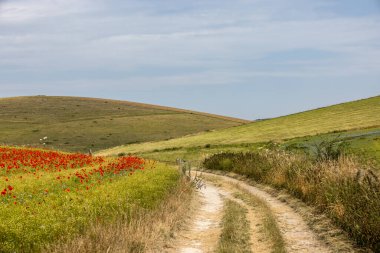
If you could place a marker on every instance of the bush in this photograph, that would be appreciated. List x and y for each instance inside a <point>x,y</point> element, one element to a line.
<point>226,164</point>
<point>329,149</point>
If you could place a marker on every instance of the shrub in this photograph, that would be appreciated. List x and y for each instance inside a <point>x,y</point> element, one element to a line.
<point>226,164</point>
<point>329,149</point>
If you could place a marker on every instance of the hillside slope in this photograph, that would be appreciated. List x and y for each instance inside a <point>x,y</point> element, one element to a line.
<point>78,124</point>
<point>363,113</point>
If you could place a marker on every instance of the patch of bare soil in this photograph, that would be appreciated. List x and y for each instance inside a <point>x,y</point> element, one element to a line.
<point>203,232</point>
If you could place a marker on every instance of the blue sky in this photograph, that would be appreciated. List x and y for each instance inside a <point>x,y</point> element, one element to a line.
<point>244,58</point>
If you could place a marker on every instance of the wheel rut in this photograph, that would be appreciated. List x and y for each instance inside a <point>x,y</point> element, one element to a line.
<point>204,229</point>
<point>202,234</point>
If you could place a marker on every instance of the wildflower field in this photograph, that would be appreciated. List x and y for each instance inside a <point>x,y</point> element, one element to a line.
<point>48,196</point>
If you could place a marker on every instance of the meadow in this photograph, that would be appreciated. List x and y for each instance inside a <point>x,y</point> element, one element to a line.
<point>361,114</point>
<point>80,124</point>
<point>48,196</point>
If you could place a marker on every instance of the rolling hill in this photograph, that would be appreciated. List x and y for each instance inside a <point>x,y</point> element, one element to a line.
<point>359,114</point>
<point>80,124</point>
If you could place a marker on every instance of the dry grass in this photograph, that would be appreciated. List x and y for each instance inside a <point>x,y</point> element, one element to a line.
<point>138,231</point>
<point>344,189</point>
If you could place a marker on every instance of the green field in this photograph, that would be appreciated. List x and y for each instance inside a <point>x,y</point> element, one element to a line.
<point>355,119</point>
<point>80,124</point>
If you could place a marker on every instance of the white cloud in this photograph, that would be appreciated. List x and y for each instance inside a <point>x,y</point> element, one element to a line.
<point>25,11</point>
<point>227,44</point>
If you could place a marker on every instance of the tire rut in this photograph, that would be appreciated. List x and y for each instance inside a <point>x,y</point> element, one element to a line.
<point>203,232</point>
<point>259,242</point>
<point>295,231</point>
<point>204,229</point>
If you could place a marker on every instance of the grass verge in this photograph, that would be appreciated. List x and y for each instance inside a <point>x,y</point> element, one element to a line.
<point>270,227</point>
<point>235,230</point>
<point>145,231</point>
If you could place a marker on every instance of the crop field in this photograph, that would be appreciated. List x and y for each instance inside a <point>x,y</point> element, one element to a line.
<point>47,196</point>
<point>79,124</point>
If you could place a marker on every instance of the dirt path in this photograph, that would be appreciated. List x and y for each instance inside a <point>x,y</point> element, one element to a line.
<point>203,232</point>
<point>204,229</point>
<point>297,235</point>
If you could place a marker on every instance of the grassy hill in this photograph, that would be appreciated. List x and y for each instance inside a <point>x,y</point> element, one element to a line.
<point>78,124</point>
<point>359,114</point>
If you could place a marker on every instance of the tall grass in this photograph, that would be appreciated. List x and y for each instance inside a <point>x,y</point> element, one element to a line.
<point>145,231</point>
<point>346,190</point>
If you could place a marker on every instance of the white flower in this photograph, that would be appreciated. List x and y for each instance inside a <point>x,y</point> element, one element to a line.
<point>45,137</point>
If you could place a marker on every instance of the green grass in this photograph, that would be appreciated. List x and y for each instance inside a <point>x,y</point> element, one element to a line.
<point>347,116</point>
<point>364,143</point>
<point>147,231</point>
<point>80,124</point>
<point>29,225</point>
<point>235,230</point>
<point>270,227</point>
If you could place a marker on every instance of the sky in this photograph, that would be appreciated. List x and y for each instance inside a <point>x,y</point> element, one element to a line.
<point>244,58</point>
